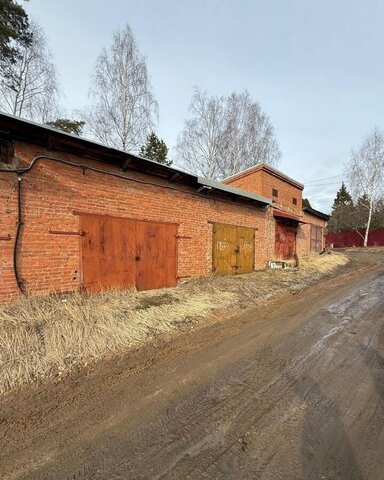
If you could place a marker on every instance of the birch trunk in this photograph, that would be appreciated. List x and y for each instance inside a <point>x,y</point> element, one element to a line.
<point>368,222</point>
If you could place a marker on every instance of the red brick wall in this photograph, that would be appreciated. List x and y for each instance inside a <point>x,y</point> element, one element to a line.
<point>8,219</point>
<point>51,194</point>
<point>303,239</point>
<point>262,183</point>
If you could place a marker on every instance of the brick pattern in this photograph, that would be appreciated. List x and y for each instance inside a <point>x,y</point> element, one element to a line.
<point>53,192</point>
<point>8,219</point>
<point>303,239</point>
<point>262,183</point>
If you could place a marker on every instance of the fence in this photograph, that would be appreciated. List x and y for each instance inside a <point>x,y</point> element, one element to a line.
<point>353,239</point>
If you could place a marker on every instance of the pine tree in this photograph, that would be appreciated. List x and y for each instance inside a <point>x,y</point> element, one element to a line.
<point>69,126</point>
<point>378,214</point>
<point>343,197</point>
<point>343,215</point>
<point>155,149</point>
<point>14,31</point>
<point>306,203</point>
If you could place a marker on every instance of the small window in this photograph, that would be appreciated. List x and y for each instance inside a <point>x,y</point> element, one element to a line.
<point>275,192</point>
<point>294,201</point>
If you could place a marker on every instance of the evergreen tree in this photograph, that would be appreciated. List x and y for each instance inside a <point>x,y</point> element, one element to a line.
<point>378,214</point>
<point>14,30</point>
<point>306,203</point>
<point>343,197</point>
<point>155,149</point>
<point>69,126</point>
<point>360,211</point>
<point>343,214</point>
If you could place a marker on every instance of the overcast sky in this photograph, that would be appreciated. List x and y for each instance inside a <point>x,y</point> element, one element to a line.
<point>315,66</point>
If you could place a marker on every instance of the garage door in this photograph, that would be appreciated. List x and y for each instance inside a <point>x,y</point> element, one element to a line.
<point>285,241</point>
<point>316,238</point>
<point>233,249</point>
<point>125,253</point>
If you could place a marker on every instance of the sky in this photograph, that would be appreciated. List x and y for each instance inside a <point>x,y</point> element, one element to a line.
<point>315,66</point>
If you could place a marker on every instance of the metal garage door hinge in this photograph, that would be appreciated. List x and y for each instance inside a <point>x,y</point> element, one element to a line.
<point>81,233</point>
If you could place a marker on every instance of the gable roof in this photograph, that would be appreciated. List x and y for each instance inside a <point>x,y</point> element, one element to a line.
<point>265,168</point>
<point>16,128</point>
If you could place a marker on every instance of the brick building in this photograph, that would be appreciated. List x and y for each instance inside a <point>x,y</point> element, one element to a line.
<point>77,214</point>
<point>294,230</point>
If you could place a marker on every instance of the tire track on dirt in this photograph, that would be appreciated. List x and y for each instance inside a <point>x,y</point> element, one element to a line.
<point>276,388</point>
<point>249,405</point>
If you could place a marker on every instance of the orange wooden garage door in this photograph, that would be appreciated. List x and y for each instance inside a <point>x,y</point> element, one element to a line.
<point>124,253</point>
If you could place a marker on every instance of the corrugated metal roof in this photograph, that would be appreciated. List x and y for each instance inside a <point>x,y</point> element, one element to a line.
<point>54,139</point>
<point>235,191</point>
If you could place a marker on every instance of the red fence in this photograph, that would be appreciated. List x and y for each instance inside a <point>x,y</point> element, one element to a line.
<point>353,239</point>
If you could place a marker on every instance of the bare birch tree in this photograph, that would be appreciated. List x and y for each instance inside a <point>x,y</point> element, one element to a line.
<point>123,110</point>
<point>365,173</point>
<point>226,135</point>
<point>199,144</point>
<point>29,84</point>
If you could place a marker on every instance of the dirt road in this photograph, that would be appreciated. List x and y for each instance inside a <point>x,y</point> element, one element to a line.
<point>294,390</point>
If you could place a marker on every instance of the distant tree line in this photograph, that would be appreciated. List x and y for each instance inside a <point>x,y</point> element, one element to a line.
<point>352,215</point>
<point>223,135</point>
<point>362,207</point>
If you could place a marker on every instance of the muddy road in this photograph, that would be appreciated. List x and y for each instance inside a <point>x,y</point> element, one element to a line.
<point>293,390</point>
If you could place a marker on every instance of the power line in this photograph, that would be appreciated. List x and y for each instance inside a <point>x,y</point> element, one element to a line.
<point>322,184</point>
<point>325,178</point>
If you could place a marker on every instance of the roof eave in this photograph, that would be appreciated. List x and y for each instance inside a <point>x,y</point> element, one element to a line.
<point>316,213</point>
<point>235,192</point>
<point>54,139</point>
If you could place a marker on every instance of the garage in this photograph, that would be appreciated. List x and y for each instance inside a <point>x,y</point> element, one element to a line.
<point>286,228</point>
<point>126,253</point>
<point>233,249</point>
<point>285,240</point>
<point>316,238</point>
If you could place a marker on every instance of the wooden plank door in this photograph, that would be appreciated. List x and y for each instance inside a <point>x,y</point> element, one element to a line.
<point>90,259</point>
<point>125,253</point>
<point>233,249</point>
<point>224,249</point>
<point>316,238</point>
<point>246,249</point>
<point>108,253</point>
<point>155,255</point>
<point>285,241</point>
<point>117,252</point>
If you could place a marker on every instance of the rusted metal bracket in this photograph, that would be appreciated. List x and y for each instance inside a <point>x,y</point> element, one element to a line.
<point>174,177</point>
<point>81,233</point>
<point>125,165</point>
<point>5,237</point>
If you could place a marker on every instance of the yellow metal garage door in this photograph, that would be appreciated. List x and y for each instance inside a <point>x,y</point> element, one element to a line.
<point>233,249</point>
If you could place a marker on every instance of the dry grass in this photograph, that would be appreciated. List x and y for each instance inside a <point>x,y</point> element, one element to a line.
<point>44,337</point>
<point>323,264</point>
<point>377,249</point>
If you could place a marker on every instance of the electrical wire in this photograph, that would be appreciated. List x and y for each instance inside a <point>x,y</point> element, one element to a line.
<point>22,171</point>
<point>325,178</point>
